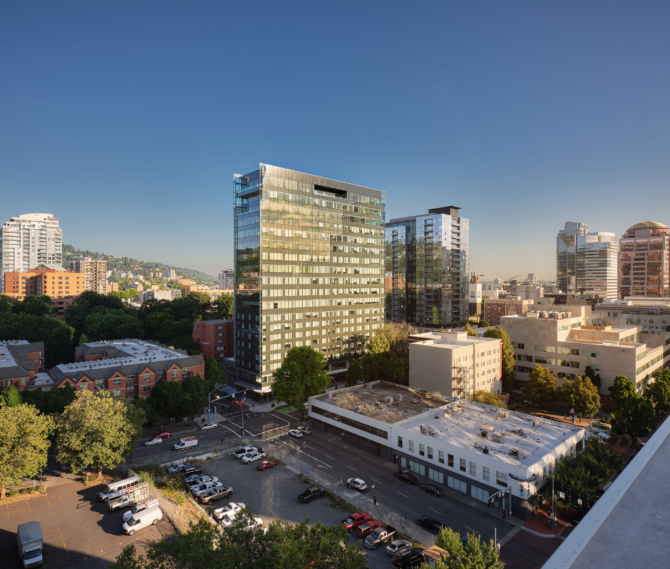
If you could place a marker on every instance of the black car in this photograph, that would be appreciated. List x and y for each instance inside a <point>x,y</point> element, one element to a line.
<point>191,470</point>
<point>431,524</point>
<point>311,494</point>
<point>408,558</point>
<point>406,477</point>
<point>433,489</point>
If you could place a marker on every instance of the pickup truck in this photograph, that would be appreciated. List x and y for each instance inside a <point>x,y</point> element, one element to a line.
<point>133,495</point>
<point>202,488</point>
<point>216,494</point>
<point>379,536</point>
<point>364,529</point>
<point>311,494</point>
<point>355,520</point>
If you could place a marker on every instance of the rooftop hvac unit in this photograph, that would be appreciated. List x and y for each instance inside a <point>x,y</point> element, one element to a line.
<point>398,397</point>
<point>536,423</point>
<point>514,452</point>
<point>488,428</point>
<point>358,409</point>
<point>486,450</point>
<point>503,414</point>
<point>432,431</point>
<point>424,429</point>
<point>388,399</point>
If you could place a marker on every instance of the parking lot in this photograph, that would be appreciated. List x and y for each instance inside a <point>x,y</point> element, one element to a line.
<point>79,531</point>
<point>273,494</point>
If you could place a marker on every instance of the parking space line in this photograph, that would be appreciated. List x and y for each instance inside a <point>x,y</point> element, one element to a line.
<point>472,530</point>
<point>377,481</point>
<point>28,504</point>
<point>435,511</point>
<point>349,467</point>
<point>303,452</point>
<point>61,538</point>
<point>330,456</point>
<point>403,494</point>
<point>47,497</point>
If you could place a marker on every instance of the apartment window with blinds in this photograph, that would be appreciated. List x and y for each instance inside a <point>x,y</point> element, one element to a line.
<point>422,450</point>
<point>451,460</point>
<point>486,473</point>
<point>473,469</point>
<point>501,479</point>
<point>430,453</point>
<point>399,442</point>
<point>411,446</point>
<point>463,468</point>
<point>440,456</point>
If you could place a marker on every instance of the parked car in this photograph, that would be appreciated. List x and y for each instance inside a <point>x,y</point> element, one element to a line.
<point>406,477</point>
<point>192,470</point>
<point>311,494</point>
<point>240,452</point>
<point>355,520</point>
<point>191,478</point>
<point>252,457</point>
<point>266,464</point>
<point>201,480</point>
<point>357,484</point>
<point>208,426</point>
<point>397,546</point>
<point>216,493</point>
<point>231,508</point>
<point>163,435</point>
<point>406,558</point>
<point>305,430</point>
<point>152,442</point>
<point>379,536</point>
<point>431,524</point>
<point>143,505</point>
<point>186,443</point>
<point>115,489</point>
<point>433,489</point>
<point>143,519</point>
<point>177,468</point>
<point>295,433</point>
<point>368,527</point>
<point>202,488</point>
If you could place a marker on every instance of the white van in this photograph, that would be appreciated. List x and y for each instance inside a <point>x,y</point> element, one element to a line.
<point>139,507</point>
<point>143,519</point>
<point>188,442</point>
<point>115,489</point>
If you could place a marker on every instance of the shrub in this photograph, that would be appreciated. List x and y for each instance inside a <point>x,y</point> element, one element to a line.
<point>624,441</point>
<point>29,490</point>
<point>12,493</point>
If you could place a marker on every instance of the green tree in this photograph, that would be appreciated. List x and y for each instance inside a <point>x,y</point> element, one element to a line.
<point>136,417</point>
<point>475,554</point>
<point>56,400</point>
<point>24,443</point>
<point>283,546</point>
<point>378,345</point>
<point>223,306</point>
<point>301,374</point>
<point>659,393</point>
<point>467,328</point>
<point>508,359</point>
<point>34,397</point>
<point>633,415</point>
<point>195,391</point>
<point>6,303</point>
<point>487,398</point>
<point>540,389</point>
<point>593,376</point>
<point>397,334</point>
<point>214,372</point>
<point>436,316</point>
<point>165,400</point>
<point>622,387</point>
<point>354,374</point>
<point>580,394</point>
<point>11,397</point>
<point>93,431</point>
<point>83,339</point>
<point>112,324</point>
<point>483,324</point>
<point>35,305</point>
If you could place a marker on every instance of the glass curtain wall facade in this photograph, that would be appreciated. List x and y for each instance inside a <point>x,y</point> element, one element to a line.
<point>566,255</point>
<point>428,257</point>
<point>309,268</point>
<point>644,261</point>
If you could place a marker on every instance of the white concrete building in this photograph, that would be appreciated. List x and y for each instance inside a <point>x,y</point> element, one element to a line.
<point>227,279</point>
<point>157,294</point>
<point>169,274</point>
<point>472,448</point>
<point>27,241</point>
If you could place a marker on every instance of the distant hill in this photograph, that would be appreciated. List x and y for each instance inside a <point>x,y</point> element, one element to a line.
<point>125,264</point>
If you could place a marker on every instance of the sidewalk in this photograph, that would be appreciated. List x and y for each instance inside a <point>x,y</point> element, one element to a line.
<point>539,523</point>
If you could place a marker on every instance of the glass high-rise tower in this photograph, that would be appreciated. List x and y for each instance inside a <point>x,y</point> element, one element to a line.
<point>427,267</point>
<point>309,269</point>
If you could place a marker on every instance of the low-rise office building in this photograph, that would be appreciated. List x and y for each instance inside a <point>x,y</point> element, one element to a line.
<point>20,362</point>
<point>215,337</point>
<point>145,295</point>
<point>128,368</point>
<point>566,342</point>
<point>495,308</point>
<point>454,364</point>
<point>472,448</point>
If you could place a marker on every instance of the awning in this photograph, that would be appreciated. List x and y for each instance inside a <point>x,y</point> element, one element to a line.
<point>603,435</point>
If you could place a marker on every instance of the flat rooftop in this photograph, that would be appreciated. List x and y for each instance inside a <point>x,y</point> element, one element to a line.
<point>448,339</point>
<point>515,439</point>
<point>373,403</point>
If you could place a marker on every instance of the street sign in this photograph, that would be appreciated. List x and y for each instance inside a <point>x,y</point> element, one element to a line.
<point>579,501</point>
<point>561,495</point>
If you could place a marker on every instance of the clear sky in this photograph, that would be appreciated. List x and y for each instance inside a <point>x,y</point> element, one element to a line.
<point>130,118</point>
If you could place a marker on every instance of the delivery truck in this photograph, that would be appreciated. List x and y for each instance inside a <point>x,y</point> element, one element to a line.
<point>31,542</point>
<point>133,495</point>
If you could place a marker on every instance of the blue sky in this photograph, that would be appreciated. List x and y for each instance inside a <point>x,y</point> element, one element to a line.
<point>130,118</point>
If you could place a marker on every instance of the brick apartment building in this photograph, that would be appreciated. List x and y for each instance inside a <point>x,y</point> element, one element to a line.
<point>495,308</point>
<point>20,362</point>
<point>215,337</point>
<point>95,273</point>
<point>51,280</point>
<point>128,368</point>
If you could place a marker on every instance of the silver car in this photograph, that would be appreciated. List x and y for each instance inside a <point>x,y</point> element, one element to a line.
<point>202,488</point>
<point>208,426</point>
<point>153,442</point>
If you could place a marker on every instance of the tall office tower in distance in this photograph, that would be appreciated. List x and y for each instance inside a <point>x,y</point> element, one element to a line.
<point>644,260</point>
<point>227,279</point>
<point>309,270</point>
<point>95,273</point>
<point>432,252</point>
<point>27,241</point>
<point>586,262</point>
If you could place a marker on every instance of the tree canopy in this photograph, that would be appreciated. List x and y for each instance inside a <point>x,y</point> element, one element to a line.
<point>477,554</point>
<point>508,359</point>
<point>223,306</point>
<point>10,396</point>
<point>633,415</point>
<point>195,391</point>
<point>24,443</point>
<point>468,329</point>
<point>94,431</point>
<point>301,374</point>
<point>540,389</point>
<point>581,395</point>
<point>397,334</point>
<point>487,398</point>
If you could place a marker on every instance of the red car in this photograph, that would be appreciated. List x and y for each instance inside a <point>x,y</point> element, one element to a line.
<point>369,527</point>
<point>266,464</point>
<point>355,520</point>
<point>406,477</point>
<point>163,435</point>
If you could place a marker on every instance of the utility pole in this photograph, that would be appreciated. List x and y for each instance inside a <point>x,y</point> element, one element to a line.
<point>552,522</point>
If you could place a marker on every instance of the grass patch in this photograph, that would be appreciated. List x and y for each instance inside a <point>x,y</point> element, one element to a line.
<point>340,503</point>
<point>287,409</point>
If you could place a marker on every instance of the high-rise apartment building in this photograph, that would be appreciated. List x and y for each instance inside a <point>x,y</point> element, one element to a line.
<point>29,240</point>
<point>95,273</point>
<point>226,279</point>
<point>586,261</point>
<point>169,274</point>
<point>309,269</point>
<point>433,252</point>
<point>644,261</point>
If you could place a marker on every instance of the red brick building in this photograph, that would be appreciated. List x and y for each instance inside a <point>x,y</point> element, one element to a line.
<point>495,308</point>
<point>127,368</point>
<point>20,362</point>
<point>215,337</point>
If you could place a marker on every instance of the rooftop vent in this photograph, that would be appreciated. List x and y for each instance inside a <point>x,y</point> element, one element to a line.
<point>536,423</point>
<point>388,399</point>
<point>503,414</point>
<point>358,409</point>
<point>398,397</point>
<point>514,452</point>
<point>424,429</point>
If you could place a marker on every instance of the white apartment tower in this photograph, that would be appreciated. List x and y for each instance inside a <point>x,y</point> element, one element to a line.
<point>27,241</point>
<point>227,279</point>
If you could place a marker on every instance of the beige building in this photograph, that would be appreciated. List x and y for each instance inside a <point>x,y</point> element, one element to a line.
<point>566,342</point>
<point>145,295</point>
<point>454,364</point>
<point>95,273</point>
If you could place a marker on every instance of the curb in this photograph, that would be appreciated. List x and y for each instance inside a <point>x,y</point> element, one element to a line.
<point>550,536</point>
